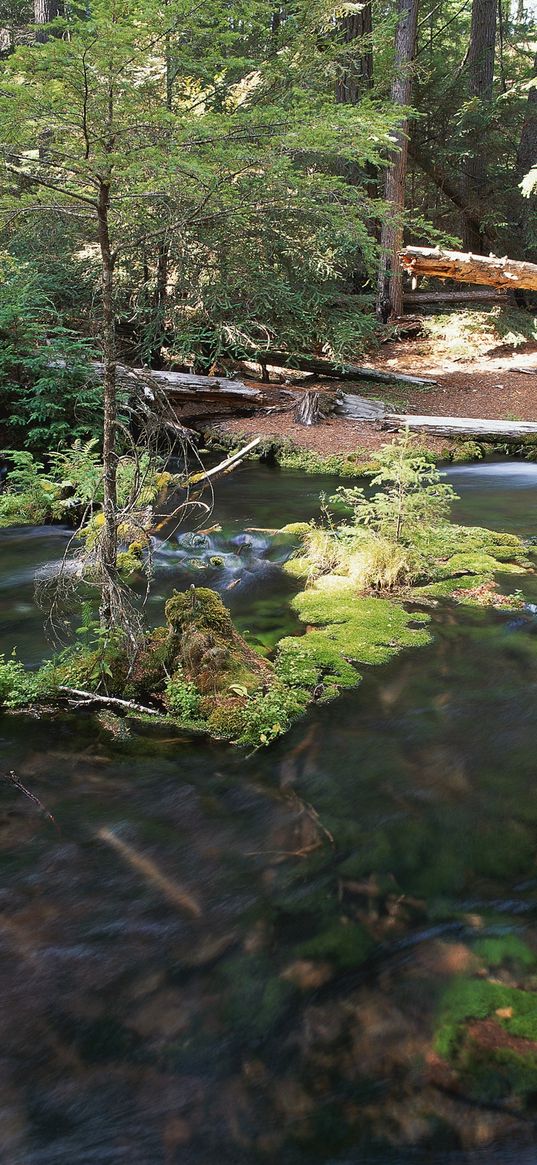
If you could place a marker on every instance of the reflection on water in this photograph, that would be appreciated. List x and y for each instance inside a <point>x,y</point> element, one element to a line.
<point>220,958</point>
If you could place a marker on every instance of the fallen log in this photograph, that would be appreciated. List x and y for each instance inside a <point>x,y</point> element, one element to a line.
<point>185,386</point>
<point>467,268</point>
<point>462,426</point>
<point>323,367</point>
<point>223,466</point>
<point>359,408</point>
<point>479,295</point>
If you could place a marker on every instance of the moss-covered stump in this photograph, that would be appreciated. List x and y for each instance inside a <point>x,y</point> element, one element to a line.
<point>205,644</point>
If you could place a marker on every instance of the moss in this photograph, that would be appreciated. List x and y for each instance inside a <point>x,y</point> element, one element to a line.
<point>466,451</point>
<point>513,1009</point>
<point>197,607</point>
<point>226,721</point>
<point>297,528</point>
<point>507,948</point>
<point>347,946</point>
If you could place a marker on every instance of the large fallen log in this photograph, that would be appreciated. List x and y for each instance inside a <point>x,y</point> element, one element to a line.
<point>462,426</point>
<point>467,268</point>
<point>418,299</point>
<point>322,367</point>
<point>188,386</point>
<point>183,386</point>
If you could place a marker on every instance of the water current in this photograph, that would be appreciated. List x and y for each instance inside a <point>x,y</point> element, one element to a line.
<point>213,958</point>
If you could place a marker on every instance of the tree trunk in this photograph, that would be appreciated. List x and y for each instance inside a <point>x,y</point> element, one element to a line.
<point>109,537</point>
<point>358,73</point>
<point>390,286</point>
<point>481,79</point>
<point>466,268</point>
<point>44,12</point>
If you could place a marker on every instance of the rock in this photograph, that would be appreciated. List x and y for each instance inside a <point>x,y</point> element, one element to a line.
<point>307,975</point>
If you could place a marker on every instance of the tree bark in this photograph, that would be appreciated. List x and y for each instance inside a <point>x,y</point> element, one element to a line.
<point>44,12</point>
<point>390,286</point>
<point>481,80</point>
<point>109,537</point>
<point>358,74</point>
<point>504,273</point>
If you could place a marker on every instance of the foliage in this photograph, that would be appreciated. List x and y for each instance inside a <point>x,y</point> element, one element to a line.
<point>413,496</point>
<point>19,686</point>
<point>182,696</point>
<point>46,394</point>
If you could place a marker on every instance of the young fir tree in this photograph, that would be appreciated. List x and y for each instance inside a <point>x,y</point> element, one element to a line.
<point>146,124</point>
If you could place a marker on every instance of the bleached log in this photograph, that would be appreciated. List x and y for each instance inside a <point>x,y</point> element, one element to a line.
<point>183,385</point>
<point>507,274</point>
<point>462,426</point>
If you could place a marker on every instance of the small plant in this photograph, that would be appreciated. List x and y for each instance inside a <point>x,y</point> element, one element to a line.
<point>182,697</point>
<point>412,494</point>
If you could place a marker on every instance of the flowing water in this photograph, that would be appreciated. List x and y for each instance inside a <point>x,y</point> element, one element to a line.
<point>213,958</point>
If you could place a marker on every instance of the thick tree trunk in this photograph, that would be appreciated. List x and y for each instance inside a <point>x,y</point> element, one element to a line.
<point>504,273</point>
<point>44,12</point>
<point>462,426</point>
<point>481,79</point>
<point>390,287</point>
<point>357,75</point>
<point>109,537</point>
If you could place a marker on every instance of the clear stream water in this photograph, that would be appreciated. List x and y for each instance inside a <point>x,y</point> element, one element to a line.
<point>156,945</point>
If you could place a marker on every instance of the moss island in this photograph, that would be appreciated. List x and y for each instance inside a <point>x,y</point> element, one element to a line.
<point>369,569</point>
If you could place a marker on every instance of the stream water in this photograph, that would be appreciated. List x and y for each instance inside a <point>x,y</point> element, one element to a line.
<point>217,958</point>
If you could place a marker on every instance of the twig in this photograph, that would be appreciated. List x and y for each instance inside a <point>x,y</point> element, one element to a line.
<point>13,779</point>
<point>111,701</point>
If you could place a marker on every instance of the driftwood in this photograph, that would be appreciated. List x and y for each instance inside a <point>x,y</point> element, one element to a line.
<point>322,367</point>
<point>462,426</point>
<point>178,896</point>
<point>467,268</point>
<point>223,466</point>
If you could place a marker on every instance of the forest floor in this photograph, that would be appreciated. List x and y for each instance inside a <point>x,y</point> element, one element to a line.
<point>474,379</point>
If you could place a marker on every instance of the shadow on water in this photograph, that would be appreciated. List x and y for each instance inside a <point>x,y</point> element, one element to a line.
<point>242,959</point>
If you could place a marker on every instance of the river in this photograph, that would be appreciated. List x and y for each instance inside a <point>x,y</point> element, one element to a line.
<point>208,957</point>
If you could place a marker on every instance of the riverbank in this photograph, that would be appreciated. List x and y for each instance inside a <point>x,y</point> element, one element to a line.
<point>480,371</point>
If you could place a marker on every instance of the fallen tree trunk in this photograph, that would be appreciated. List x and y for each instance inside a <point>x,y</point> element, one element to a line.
<point>186,386</point>
<point>462,426</point>
<point>322,367</point>
<point>467,268</point>
<point>415,298</point>
<point>358,408</point>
